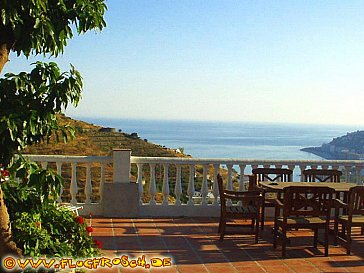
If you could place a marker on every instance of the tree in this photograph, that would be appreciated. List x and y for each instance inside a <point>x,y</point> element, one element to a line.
<point>30,101</point>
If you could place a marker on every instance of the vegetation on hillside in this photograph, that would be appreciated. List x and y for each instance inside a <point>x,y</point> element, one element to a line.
<point>91,140</point>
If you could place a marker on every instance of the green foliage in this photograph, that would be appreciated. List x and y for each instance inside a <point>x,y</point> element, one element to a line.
<point>29,102</point>
<point>52,232</point>
<point>30,188</point>
<point>44,26</point>
<point>40,226</point>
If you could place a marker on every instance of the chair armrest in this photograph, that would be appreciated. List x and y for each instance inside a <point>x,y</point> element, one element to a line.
<point>244,193</point>
<point>340,204</point>
<point>258,199</point>
<point>277,202</point>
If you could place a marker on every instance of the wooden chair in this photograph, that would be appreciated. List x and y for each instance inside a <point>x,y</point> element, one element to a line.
<point>248,208</point>
<point>273,175</point>
<point>319,175</point>
<point>303,207</point>
<point>353,216</point>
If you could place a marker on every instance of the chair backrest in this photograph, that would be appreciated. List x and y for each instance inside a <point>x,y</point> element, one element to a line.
<point>356,201</point>
<point>273,174</point>
<point>246,197</point>
<point>319,175</point>
<point>307,201</point>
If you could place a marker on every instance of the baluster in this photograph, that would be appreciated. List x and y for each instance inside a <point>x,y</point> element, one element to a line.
<point>242,186</point>
<point>59,172</point>
<point>230,177</point>
<point>44,165</point>
<point>178,186</point>
<point>140,182</point>
<point>152,186</point>
<point>204,188</point>
<point>241,182</point>
<point>358,179</point>
<point>165,187</point>
<point>191,185</point>
<point>102,181</point>
<point>347,172</point>
<point>302,168</point>
<point>88,186</point>
<point>216,187</point>
<point>229,185</point>
<point>73,186</point>
<point>291,167</point>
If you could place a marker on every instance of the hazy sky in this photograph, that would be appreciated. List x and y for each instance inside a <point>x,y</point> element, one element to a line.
<point>273,61</point>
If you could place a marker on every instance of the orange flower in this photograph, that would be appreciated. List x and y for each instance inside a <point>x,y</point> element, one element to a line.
<point>38,224</point>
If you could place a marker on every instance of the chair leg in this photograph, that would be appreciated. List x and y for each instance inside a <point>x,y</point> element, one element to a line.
<point>220,224</point>
<point>252,226</point>
<point>275,235</point>
<point>262,217</point>
<point>326,240</point>
<point>348,239</point>
<point>336,232</point>
<point>256,230</point>
<point>284,241</point>
<point>315,237</point>
<point>222,230</point>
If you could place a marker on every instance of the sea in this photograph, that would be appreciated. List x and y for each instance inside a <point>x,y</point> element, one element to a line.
<point>239,140</point>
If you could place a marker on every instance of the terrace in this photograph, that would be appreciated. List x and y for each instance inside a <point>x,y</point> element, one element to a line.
<point>193,246</point>
<point>159,216</point>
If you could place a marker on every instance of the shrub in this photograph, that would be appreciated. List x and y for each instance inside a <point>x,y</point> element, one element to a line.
<point>40,226</point>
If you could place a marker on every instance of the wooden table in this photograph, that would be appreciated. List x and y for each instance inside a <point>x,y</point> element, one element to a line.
<point>341,187</point>
<point>279,186</point>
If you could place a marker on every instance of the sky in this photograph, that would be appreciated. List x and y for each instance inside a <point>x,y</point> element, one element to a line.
<point>259,61</point>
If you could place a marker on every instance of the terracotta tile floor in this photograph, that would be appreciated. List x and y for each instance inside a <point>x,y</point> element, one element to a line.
<point>192,245</point>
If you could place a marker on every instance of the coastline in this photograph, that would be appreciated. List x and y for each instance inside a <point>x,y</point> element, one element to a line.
<point>317,151</point>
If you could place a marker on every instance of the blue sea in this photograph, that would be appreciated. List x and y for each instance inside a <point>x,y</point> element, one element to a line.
<point>245,140</point>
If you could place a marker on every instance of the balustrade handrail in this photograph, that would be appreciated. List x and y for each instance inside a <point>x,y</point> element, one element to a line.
<point>69,158</point>
<point>235,161</point>
<point>182,160</point>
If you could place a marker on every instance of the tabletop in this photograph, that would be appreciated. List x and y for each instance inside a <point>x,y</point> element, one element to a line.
<point>279,186</point>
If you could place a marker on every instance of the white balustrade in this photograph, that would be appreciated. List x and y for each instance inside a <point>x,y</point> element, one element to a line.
<point>188,174</point>
<point>76,163</point>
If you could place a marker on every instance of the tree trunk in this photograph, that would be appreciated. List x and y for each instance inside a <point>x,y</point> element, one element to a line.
<point>7,246</point>
<point>4,55</point>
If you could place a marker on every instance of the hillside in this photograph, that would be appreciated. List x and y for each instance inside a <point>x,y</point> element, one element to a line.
<point>93,140</point>
<point>350,146</point>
